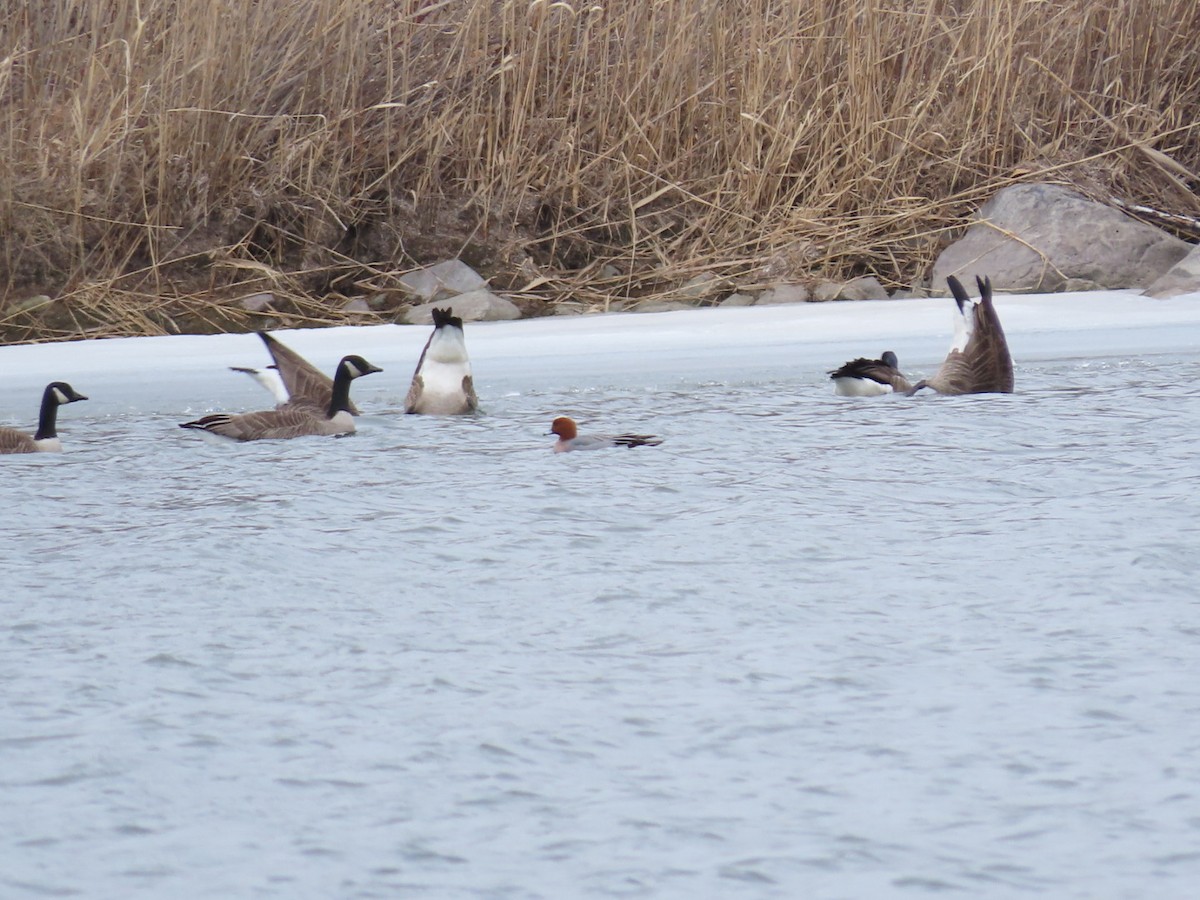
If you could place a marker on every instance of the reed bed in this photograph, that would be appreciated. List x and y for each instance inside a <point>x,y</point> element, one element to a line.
<point>160,158</point>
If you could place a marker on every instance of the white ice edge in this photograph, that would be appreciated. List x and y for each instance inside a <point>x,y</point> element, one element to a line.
<point>809,336</point>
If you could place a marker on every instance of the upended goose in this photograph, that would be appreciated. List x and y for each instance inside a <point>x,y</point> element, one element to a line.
<point>292,380</point>
<point>45,439</point>
<point>978,361</point>
<point>869,377</point>
<point>442,384</point>
<point>293,419</point>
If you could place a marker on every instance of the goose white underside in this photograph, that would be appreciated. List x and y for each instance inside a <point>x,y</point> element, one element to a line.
<point>442,371</point>
<point>964,323</point>
<point>48,445</point>
<point>859,387</point>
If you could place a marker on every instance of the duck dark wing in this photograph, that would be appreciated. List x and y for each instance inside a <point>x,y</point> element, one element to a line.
<point>636,440</point>
<point>874,370</point>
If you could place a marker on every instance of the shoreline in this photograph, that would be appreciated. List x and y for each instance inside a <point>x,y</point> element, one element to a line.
<point>817,336</point>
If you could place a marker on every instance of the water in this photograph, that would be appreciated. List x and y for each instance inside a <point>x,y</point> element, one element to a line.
<point>809,647</point>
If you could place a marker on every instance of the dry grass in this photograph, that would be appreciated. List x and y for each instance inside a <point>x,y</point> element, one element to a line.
<point>159,157</point>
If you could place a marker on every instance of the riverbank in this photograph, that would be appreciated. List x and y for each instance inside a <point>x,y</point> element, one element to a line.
<point>163,163</point>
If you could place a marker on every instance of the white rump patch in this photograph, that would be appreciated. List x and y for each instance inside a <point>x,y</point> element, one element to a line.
<point>447,346</point>
<point>964,325</point>
<point>859,387</point>
<point>444,367</point>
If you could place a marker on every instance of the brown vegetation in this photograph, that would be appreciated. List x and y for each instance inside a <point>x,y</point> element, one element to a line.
<point>161,158</point>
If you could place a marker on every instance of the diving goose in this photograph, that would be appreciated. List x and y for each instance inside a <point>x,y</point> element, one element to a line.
<point>569,438</point>
<point>293,420</point>
<point>978,361</point>
<point>45,440</point>
<point>442,384</point>
<point>869,377</point>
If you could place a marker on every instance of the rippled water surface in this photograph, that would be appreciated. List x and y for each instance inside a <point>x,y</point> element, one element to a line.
<point>809,647</point>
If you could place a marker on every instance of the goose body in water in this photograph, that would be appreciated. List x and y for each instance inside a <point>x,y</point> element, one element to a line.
<point>45,439</point>
<point>293,419</point>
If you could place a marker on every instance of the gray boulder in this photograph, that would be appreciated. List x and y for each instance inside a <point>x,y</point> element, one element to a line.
<point>783,293</point>
<point>656,305</point>
<point>1045,237</point>
<point>442,280</point>
<point>738,299</point>
<point>701,287</point>
<point>865,287</point>
<point>1182,278</point>
<point>473,306</point>
<point>826,291</point>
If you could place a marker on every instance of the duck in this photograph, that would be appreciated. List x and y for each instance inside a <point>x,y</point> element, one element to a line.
<point>979,361</point>
<point>570,439</point>
<point>870,377</point>
<point>45,439</point>
<point>442,383</point>
<point>293,419</point>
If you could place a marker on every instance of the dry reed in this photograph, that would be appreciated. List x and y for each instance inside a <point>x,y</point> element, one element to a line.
<point>160,157</point>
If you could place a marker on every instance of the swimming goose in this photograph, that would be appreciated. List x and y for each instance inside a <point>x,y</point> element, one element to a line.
<point>304,384</point>
<point>869,377</point>
<point>293,420</point>
<point>570,439</point>
<point>442,384</point>
<point>978,361</point>
<point>45,440</point>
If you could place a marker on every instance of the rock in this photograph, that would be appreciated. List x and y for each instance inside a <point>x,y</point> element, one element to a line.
<point>356,305</point>
<point>29,303</point>
<point>866,287</point>
<point>783,293</point>
<point>1040,237</point>
<point>825,291</point>
<point>700,287</point>
<point>257,303</point>
<point>473,306</point>
<point>446,279</point>
<point>739,300</point>
<point>1182,278</point>
<point>654,305</point>
<point>570,308</point>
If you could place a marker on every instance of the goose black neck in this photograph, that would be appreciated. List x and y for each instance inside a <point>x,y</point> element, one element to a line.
<point>340,400</point>
<point>48,417</point>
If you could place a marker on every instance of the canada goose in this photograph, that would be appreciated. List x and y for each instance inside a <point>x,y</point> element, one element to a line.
<point>303,383</point>
<point>293,420</point>
<point>869,377</point>
<point>442,384</point>
<point>569,438</point>
<point>45,440</point>
<point>978,361</point>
